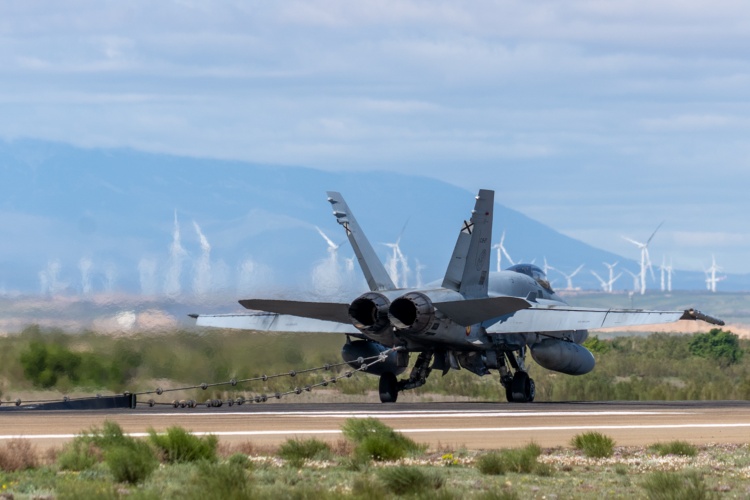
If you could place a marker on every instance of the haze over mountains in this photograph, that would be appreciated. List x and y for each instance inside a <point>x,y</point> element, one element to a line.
<point>83,221</point>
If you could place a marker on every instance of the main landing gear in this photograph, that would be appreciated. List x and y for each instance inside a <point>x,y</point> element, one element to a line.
<point>390,386</point>
<point>519,387</point>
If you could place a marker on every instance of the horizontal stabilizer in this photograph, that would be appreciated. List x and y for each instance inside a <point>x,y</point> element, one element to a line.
<point>326,311</point>
<point>269,322</point>
<point>473,311</point>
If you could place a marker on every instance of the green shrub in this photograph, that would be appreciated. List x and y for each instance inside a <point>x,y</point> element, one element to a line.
<point>594,444</point>
<point>226,481</point>
<point>129,460</point>
<point>718,345</point>
<point>376,440</point>
<point>79,454</point>
<point>296,451</point>
<point>240,460</point>
<point>406,480</point>
<point>132,462</point>
<point>676,486</point>
<point>520,460</point>
<point>674,448</point>
<point>109,436</point>
<point>365,487</point>
<point>491,463</point>
<point>178,445</point>
<point>381,448</point>
<point>44,363</point>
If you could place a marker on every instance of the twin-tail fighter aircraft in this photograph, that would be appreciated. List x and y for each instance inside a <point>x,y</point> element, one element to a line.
<point>474,319</point>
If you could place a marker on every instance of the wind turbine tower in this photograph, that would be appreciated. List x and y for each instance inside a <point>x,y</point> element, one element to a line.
<point>603,283</point>
<point>669,270</point>
<point>711,278</point>
<point>645,259</point>
<point>500,252</point>
<point>569,277</point>
<point>612,277</point>
<point>397,265</point>
<point>636,279</point>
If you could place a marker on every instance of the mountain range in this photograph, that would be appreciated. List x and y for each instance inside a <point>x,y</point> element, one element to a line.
<point>84,221</point>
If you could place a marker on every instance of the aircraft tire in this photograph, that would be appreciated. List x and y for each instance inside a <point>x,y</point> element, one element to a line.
<point>522,388</point>
<point>388,388</point>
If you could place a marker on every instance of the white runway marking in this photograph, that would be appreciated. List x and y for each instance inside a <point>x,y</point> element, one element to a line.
<point>292,432</point>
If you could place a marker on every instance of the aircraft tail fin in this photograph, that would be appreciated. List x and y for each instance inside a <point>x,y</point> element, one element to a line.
<point>375,274</point>
<point>469,268</point>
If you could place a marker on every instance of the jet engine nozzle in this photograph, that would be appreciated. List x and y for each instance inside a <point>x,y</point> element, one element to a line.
<point>412,312</point>
<point>369,312</point>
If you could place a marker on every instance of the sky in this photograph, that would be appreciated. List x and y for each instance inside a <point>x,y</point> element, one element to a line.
<point>600,119</point>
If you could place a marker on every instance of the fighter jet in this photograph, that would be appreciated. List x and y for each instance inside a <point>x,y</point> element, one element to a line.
<point>473,319</point>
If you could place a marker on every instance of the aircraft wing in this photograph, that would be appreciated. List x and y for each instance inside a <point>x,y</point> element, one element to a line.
<point>270,322</point>
<point>326,311</point>
<point>554,318</point>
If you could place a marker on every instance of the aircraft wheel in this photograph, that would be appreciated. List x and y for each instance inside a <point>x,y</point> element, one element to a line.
<point>532,391</point>
<point>509,392</point>
<point>388,388</point>
<point>522,388</point>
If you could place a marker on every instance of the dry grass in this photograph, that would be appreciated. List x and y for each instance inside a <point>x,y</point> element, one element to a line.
<point>18,454</point>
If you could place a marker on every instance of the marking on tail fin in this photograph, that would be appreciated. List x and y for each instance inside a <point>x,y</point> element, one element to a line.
<point>468,269</point>
<point>374,271</point>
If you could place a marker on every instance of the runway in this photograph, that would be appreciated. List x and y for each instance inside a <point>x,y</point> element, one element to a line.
<point>440,425</point>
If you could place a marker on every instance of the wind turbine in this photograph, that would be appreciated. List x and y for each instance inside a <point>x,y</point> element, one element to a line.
<point>612,277</point>
<point>645,259</point>
<point>333,248</point>
<point>547,268</point>
<point>669,271</point>
<point>636,279</point>
<point>398,259</point>
<point>420,267</point>
<point>500,252</point>
<point>603,283</point>
<point>711,278</point>
<point>569,277</point>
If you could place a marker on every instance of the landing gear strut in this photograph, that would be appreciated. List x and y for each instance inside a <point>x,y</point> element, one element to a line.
<point>389,386</point>
<point>519,387</point>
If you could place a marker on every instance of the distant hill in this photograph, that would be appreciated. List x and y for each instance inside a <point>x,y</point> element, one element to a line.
<point>80,221</point>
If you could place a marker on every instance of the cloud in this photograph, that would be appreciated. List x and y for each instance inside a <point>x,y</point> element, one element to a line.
<point>573,109</point>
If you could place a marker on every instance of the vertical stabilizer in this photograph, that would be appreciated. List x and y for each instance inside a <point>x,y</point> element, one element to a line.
<point>374,271</point>
<point>469,268</point>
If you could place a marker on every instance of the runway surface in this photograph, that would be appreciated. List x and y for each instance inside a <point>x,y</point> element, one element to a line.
<point>449,425</point>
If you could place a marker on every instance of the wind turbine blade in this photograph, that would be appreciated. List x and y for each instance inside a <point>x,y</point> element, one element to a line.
<point>577,270</point>
<point>636,243</point>
<point>328,240</point>
<point>654,233</point>
<point>398,240</point>
<point>599,278</point>
<point>507,256</point>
